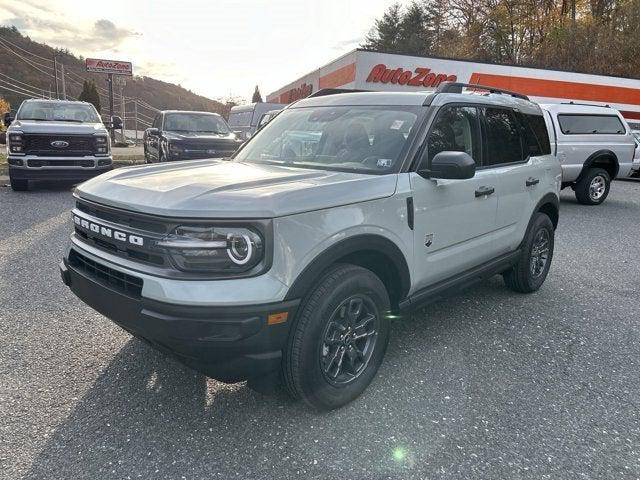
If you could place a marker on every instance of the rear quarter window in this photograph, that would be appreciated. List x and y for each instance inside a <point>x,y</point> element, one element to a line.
<point>576,124</point>
<point>536,135</point>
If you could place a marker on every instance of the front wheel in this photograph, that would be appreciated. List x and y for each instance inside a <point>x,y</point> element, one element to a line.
<point>532,268</point>
<point>339,339</point>
<point>593,188</point>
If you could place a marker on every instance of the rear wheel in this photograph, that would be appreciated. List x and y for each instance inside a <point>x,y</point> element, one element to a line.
<point>532,268</point>
<point>19,185</point>
<point>593,188</point>
<point>339,339</point>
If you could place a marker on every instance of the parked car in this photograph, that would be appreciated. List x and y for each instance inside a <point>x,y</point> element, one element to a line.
<point>182,135</point>
<point>266,118</point>
<point>244,119</point>
<point>635,169</point>
<point>594,145</point>
<point>56,140</point>
<point>289,259</point>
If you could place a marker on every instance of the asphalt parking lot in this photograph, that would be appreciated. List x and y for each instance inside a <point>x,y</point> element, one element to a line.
<point>489,384</point>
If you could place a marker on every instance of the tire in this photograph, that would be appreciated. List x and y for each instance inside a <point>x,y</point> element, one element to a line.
<point>593,188</point>
<point>329,375</point>
<point>524,276</point>
<point>19,185</point>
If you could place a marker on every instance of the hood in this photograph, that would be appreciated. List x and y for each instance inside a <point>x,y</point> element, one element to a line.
<point>224,189</point>
<point>61,128</point>
<point>200,137</point>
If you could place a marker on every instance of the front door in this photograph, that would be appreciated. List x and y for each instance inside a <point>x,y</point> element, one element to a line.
<point>454,219</point>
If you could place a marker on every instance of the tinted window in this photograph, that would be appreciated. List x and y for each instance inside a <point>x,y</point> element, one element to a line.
<point>156,121</point>
<point>455,129</point>
<point>536,136</point>
<point>590,124</point>
<point>195,122</point>
<point>504,144</point>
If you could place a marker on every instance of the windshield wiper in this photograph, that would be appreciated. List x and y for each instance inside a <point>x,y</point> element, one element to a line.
<point>217,132</point>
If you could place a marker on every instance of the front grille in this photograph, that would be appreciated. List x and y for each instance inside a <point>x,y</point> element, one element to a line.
<point>127,284</point>
<point>61,163</point>
<point>120,217</point>
<point>79,145</point>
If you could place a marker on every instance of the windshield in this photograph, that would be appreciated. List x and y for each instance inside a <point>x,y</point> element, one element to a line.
<point>58,112</point>
<point>349,138</point>
<point>195,122</point>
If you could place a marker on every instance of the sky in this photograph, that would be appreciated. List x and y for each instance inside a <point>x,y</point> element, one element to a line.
<point>216,48</point>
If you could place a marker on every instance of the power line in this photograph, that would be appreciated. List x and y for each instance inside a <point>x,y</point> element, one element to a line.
<point>28,95</point>
<point>27,90</point>
<point>23,83</point>
<point>25,60</point>
<point>26,51</point>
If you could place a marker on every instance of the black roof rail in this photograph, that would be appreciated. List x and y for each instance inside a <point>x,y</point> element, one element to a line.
<point>333,91</point>
<point>456,87</point>
<point>585,104</point>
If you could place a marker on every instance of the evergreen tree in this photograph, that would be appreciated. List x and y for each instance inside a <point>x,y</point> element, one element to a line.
<point>90,94</point>
<point>257,97</point>
<point>385,34</point>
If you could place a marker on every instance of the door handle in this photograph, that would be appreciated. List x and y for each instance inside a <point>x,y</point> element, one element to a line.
<point>531,182</point>
<point>484,191</point>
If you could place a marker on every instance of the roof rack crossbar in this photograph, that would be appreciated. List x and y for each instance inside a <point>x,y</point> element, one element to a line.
<point>585,104</point>
<point>456,87</point>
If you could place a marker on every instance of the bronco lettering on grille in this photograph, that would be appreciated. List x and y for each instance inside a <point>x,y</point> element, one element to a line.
<point>108,232</point>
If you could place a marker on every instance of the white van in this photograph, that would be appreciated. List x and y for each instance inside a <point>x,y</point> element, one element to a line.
<point>594,145</point>
<point>244,119</point>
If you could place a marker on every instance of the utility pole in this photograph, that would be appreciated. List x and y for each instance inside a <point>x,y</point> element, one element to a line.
<point>55,72</point>
<point>64,87</point>
<point>135,107</point>
<point>110,82</point>
<point>122,109</point>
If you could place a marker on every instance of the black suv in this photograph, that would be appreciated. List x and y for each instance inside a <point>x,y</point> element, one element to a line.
<point>182,135</point>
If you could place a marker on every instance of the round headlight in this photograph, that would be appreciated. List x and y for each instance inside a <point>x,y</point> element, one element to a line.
<point>240,248</point>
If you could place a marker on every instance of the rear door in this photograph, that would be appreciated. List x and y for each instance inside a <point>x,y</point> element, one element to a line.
<point>153,141</point>
<point>454,219</point>
<point>511,152</point>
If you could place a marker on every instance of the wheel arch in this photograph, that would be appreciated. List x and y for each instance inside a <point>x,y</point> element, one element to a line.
<point>550,206</point>
<point>605,159</point>
<point>373,252</point>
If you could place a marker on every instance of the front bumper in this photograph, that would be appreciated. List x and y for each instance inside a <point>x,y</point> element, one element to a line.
<point>58,168</point>
<point>228,343</point>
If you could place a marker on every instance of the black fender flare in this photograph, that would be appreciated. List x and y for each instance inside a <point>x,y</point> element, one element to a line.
<point>548,199</point>
<point>352,245</point>
<point>604,153</point>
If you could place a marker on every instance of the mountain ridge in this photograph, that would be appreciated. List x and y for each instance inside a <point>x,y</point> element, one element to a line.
<point>23,74</point>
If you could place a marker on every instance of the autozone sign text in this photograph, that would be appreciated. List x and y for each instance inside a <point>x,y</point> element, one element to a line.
<point>115,67</point>
<point>420,77</point>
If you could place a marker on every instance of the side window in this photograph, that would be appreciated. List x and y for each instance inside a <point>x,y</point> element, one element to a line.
<point>536,136</point>
<point>456,128</point>
<point>590,124</point>
<point>504,143</point>
<point>156,121</point>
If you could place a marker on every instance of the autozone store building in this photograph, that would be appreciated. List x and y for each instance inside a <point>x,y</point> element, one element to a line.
<point>367,70</point>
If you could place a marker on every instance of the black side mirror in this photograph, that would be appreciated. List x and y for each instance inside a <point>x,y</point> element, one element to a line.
<point>450,165</point>
<point>116,122</point>
<point>7,118</point>
<point>153,131</point>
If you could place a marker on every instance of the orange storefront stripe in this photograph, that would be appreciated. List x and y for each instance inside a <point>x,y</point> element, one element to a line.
<point>346,74</point>
<point>538,87</point>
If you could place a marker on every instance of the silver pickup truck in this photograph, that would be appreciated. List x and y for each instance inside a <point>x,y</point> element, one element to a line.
<point>56,140</point>
<point>594,145</point>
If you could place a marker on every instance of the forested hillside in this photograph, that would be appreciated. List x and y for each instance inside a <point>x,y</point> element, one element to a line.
<point>591,36</point>
<point>26,68</point>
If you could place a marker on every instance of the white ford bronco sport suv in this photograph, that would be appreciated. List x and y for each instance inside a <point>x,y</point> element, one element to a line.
<point>56,140</point>
<point>594,145</point>
<point>288,260</point>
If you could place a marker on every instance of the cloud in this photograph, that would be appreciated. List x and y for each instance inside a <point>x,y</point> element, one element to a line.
<point>37,22</point>
<point>348,44</point>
